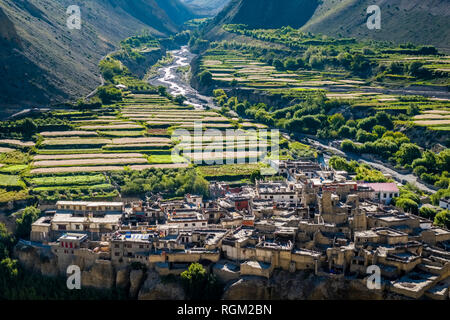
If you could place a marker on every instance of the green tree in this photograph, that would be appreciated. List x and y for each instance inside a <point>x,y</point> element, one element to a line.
<point>198,285</point>
<point>336,121</point>
<point>24,222</point>
<point>427,213</point>
<point>408,153</point>
<point>442,219</point>
<point>6,242</point>
<point>205,78</point>
<point>29,127</point>
<point>407,205</point>
<point>109,94</point>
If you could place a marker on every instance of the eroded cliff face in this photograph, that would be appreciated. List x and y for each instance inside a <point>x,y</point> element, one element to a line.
<point>302,286</point>
<point>154,289</point>
<point>148,285</point>
<point>36,261</point>
<point>100,274</point>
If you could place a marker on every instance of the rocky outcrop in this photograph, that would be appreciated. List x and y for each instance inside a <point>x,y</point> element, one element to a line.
<point>248,288</point>
<point>301,286</point>
<point>154,289</point>
<point>40,261</point>
<point>123,278</point>
<point>100,276</point>
<point>226,271</point>
<point>149,285</point>
<point>136,277</point>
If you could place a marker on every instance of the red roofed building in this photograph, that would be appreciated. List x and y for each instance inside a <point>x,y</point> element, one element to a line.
<point>383,192</point>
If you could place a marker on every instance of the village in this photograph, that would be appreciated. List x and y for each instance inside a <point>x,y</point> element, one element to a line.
<point>317,220</point>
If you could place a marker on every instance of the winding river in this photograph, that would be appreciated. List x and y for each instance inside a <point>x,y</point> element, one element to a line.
<point>176,84</point>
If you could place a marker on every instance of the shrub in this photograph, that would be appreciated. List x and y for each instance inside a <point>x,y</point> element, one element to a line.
<point>442,219</point>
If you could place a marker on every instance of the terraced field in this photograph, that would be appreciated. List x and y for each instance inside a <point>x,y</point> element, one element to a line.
<point>144,131</point>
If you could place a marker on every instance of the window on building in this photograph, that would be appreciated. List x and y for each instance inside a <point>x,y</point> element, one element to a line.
<point>116,245</point>
<point>77,227</point>
<point>117,254</point>
<point>141,246</point>
<point>61,227</point>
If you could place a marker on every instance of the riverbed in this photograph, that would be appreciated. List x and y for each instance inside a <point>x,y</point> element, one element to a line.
<point>170,77</point>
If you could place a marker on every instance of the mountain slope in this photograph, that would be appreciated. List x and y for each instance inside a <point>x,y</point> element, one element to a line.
<point>206,7</point>
<point>177,11</point>
<point>417,21</point>
<point>44,62</point>
<point>268,13</point>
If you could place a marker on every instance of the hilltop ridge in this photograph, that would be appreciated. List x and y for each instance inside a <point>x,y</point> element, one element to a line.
<point>402,20</point>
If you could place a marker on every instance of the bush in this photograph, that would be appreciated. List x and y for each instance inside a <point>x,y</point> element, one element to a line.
<point>442,219</point>
<point>24,222</point>
<point>205,78</point>
<point>407,205</point>
<point>198,285</point>
<point>109,94</point>
<point>427,213</point>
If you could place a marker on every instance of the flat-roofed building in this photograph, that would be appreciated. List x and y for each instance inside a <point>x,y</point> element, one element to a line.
<point>382,192</point>
<point>86,207</point>
<point>187,220</point>
<point>94,226</point>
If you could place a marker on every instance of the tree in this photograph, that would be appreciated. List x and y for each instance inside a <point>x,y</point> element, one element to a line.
<point>162,91</point>
<point>278,64</point>
<point>24,222</point>
<point>349,146</point>
<point>6,242</point>
<point>408,153</point>
<point>427,213</point>
<point>290,64</point>
<point>205,78</point>
<point>179,99</point>
<point>198,285</point>
<point>407,205</point>
<point>240,109</point>
<point>339,163</point>
<point>379,130</point>
<point>29,127</point>
<point>383,119</point>
<point>347,132</point>
<point>442,219</point>
<point>336,121</point>
<point>109,94</point>
<point>255,175</point>
<point>364,136</point>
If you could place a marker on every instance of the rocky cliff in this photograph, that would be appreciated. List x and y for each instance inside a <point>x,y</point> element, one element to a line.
<point>148,285</point>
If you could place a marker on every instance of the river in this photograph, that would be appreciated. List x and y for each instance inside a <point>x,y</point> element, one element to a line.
<point>176,84</point>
